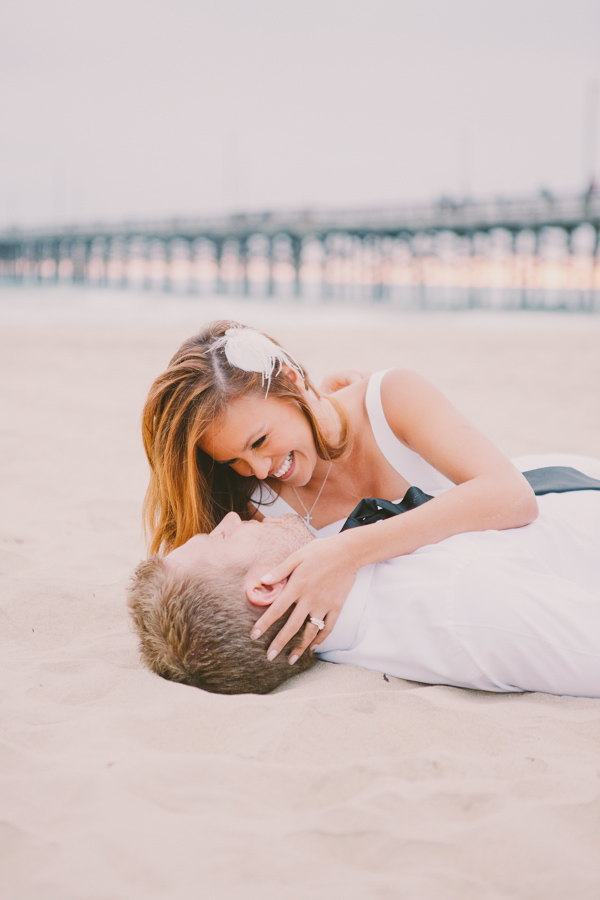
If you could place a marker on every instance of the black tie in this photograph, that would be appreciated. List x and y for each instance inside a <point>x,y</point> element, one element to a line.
<point>549,480</point>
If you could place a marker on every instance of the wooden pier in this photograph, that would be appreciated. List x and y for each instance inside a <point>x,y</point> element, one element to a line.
<point>539,251</point>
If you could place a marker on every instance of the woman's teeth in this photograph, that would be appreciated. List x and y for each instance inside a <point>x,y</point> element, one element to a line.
<point>283,469</point>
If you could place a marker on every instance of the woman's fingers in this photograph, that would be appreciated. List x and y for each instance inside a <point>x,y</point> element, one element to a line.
<point>308,636</point>
<point>282,571</point>
<point>312,635</point>
<point>282,603</point>
<point>321,635</point>
<point>317,588</point>
<point>291,627</point>
<point>268,618</point>
<point>312,639</point>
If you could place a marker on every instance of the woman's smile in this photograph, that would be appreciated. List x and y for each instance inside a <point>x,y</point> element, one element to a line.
<point>286,470</point>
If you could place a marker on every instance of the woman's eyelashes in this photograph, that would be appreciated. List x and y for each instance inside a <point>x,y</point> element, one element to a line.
<point>232,462</point>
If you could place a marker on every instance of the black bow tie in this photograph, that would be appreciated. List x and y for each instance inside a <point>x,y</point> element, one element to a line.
<point>549,480</point>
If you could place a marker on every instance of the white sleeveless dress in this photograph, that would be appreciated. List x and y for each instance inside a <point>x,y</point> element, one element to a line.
<point>406,462</point>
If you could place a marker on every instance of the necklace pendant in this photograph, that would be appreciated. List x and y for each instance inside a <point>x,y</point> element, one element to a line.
<point>307,518</point>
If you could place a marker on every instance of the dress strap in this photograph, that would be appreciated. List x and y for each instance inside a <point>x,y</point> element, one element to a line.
<point>385,438</point>
<point>406,462</point>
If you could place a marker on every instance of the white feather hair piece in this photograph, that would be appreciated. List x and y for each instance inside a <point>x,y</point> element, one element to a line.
<point>252,351</point>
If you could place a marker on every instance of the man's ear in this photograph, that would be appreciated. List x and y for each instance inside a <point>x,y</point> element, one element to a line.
<point>259,594</point>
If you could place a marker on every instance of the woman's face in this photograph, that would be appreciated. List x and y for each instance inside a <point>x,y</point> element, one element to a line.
<point>268,438</point>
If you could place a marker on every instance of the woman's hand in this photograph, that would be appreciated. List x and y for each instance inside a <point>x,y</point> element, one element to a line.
<point>341,378</point>
<point>320,578</point>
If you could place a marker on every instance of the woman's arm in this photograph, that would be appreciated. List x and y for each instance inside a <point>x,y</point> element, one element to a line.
<point>489,494</point>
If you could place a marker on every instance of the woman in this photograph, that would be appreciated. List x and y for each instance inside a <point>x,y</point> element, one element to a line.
<point>235,424</point>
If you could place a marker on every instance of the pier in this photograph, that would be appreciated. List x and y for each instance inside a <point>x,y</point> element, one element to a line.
<point>530,252</point>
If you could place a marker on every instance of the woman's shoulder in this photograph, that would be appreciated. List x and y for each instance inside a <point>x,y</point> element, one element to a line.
<point>389,391</point>
<point>407,398</point>
<point>400,379</point>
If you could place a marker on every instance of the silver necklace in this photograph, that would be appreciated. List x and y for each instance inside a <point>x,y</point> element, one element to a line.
<point>307,517</point>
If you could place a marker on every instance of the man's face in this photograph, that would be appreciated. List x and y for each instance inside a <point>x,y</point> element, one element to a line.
<point>233,543</point>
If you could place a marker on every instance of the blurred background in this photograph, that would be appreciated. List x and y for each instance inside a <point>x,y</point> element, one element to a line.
<point>424,153</point>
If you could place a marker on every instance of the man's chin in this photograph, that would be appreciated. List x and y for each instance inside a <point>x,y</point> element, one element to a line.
<point>293,523</point>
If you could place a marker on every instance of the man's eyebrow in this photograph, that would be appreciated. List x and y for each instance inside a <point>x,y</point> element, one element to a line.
<point>258,432</point>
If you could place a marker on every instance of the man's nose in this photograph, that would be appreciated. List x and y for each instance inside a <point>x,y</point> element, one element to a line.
<point>229,523</point>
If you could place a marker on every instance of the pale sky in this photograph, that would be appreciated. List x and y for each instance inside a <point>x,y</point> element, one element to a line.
<point>135,108</point>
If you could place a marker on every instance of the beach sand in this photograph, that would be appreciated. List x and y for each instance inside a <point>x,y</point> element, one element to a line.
<point>117,784</point>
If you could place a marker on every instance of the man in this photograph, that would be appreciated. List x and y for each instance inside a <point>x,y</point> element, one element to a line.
<point>194,609</point>
<point>512,610</point>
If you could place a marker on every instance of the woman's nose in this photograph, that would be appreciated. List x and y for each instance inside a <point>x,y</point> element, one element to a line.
<point>261,467</point>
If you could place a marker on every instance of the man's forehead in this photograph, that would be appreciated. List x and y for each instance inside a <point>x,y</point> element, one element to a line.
<point>193,548</point>
<point>196,541</point>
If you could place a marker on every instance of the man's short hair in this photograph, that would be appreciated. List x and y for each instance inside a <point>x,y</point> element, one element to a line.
<point>196,630</point>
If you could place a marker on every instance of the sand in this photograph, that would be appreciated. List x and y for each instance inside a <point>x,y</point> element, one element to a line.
<point>117,784</point>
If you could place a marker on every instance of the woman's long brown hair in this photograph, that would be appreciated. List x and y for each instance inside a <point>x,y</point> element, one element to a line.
<point>188,492</point>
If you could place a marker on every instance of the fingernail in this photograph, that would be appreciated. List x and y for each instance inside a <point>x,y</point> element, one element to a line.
<point>255,634</point>
<point>293,659</point>
<point>271,655</point>
<point>267,577</point>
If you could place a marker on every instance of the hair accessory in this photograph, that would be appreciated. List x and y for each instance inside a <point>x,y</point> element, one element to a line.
<point>252,351</point>
<point>318,622</point>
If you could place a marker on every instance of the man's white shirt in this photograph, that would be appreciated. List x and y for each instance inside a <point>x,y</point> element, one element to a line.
<point>513,610</point>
